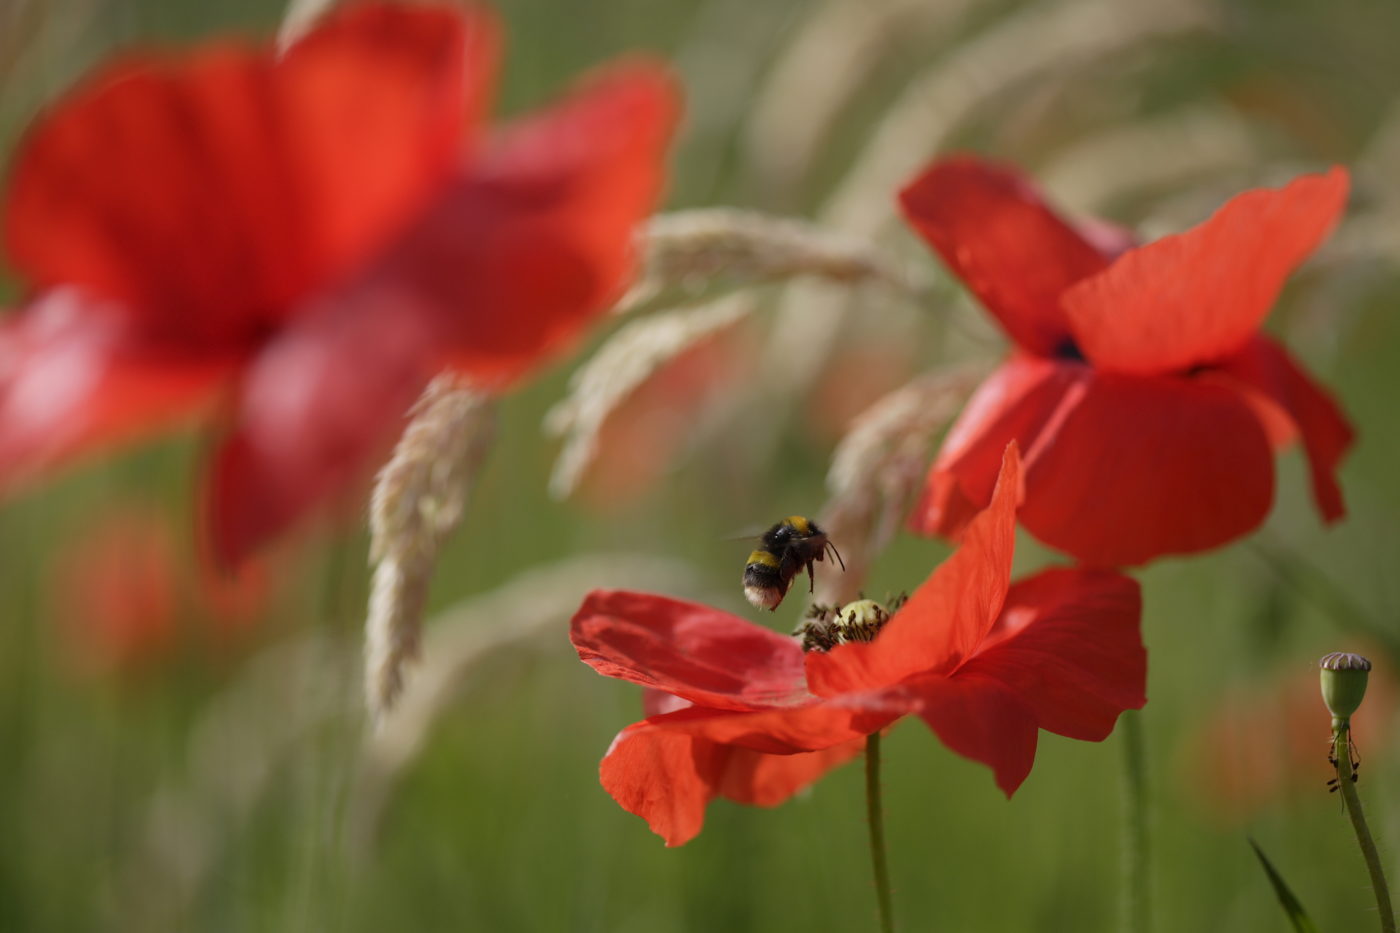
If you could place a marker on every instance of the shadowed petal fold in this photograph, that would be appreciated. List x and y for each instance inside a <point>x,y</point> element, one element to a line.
<point>1197,297</point>
<point>317,409</point>
<point>996,233</point>
<point>1266,367</point>
<point>1069,644</point>
<point>1137,467</point>
<point>981,719</point>
<point>690,650</point>
<point>1014,403</point>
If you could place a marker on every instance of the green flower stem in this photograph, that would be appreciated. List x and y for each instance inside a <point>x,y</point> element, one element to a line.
<point>1137,913</point>
<point>876,815</point>
<point>1341,747</point>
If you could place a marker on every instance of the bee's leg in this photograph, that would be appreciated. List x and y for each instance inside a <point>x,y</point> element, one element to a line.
<point>811,578</point>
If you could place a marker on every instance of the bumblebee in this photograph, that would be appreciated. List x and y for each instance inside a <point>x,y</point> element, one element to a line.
<point>792,545</point>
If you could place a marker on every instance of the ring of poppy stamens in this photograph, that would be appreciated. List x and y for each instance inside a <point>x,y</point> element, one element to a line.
<point>825,627</point>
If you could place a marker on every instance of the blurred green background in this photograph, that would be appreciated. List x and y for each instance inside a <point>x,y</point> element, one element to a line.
<point>222,778</point>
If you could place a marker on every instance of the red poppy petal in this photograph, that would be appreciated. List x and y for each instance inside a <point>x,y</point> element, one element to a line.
<point>534,244</point>
<point>668,778</point>
<point>804,727</point>
<point>947,617</point>
<point>981,719</point>
<point>1069,644</point>
<point>208,193</point>
<point>767,780</point>
<point>704,655</point>
<point>1014,403</point>
<point>998,235</point>
<point>755,777</point>
<point>318,411</point>
<point>71,384</point>
<point>1266,367</point>
<point>1197,297</point>
<point>1141,466</point>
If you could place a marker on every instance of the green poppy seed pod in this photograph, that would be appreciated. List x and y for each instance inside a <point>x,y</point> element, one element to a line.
<point>1344,678</point>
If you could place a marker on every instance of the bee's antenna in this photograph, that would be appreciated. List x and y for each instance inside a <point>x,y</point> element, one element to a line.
<point>836,554</point>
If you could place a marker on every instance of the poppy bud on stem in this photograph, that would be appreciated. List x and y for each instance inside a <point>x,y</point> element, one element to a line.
<point>1343,678</point>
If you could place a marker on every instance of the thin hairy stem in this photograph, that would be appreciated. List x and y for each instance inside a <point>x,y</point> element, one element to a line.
<point>876,817</point>
<point>1341,754</point>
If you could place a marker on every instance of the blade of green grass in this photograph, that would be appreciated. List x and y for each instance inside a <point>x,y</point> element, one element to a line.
<point>1286,898</point>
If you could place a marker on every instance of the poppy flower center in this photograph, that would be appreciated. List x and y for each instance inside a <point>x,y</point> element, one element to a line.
<point>825,627</point>
<point>1069,350</point>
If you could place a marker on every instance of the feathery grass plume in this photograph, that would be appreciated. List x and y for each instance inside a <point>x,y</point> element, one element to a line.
<point>619,368</point>
<point>1156,153</point>
<point>525,613</point>
<point>1032,41</point>
<point>300,16</point>
<point>831,58</point>
<point>688,250</point>
<point>878,467</point>
<point>417,503</point>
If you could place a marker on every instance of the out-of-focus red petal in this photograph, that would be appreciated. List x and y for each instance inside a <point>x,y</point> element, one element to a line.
<point>668,778</point>
<point>1135,467</point>
<point>533,244</point>
<point>1069,644</point>
<point>208,194</point>
<point>687,649</point>
<point>318,411</point>
<point>995,231</point>
<point>72,383</point>
<point>1197,297</point>
<point>947,617</point>
<point>1014,403</point>
<point>981,719</point>
<point>1266,367</point>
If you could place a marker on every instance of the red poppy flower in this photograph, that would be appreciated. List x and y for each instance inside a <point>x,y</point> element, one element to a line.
<point>984,662</point>
<point>301,241</point>
<point>1145,398</point>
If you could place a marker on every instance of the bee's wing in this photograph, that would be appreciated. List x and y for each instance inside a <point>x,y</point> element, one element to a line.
<point>749,533</point>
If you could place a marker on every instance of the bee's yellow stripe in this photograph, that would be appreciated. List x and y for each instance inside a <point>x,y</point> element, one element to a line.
<point>800,523</point>
<point>764,558</point>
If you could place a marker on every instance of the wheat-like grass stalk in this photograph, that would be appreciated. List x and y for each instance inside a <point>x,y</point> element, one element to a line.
<point>300,16</point>
<point>622,365</point>
<point>830,59</point>
<point>877,468</point>
<point>689,250</point>
<point>1032,41</point>
<point>417,502</point>
<point>1157,153</point>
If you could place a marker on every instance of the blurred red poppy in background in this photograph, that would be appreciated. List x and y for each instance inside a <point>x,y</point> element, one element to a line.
<point>121,589</point>
<point>1265,742</point>
<point>1145,397</point>
<point>300,241</point>
<point>745,714</point>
